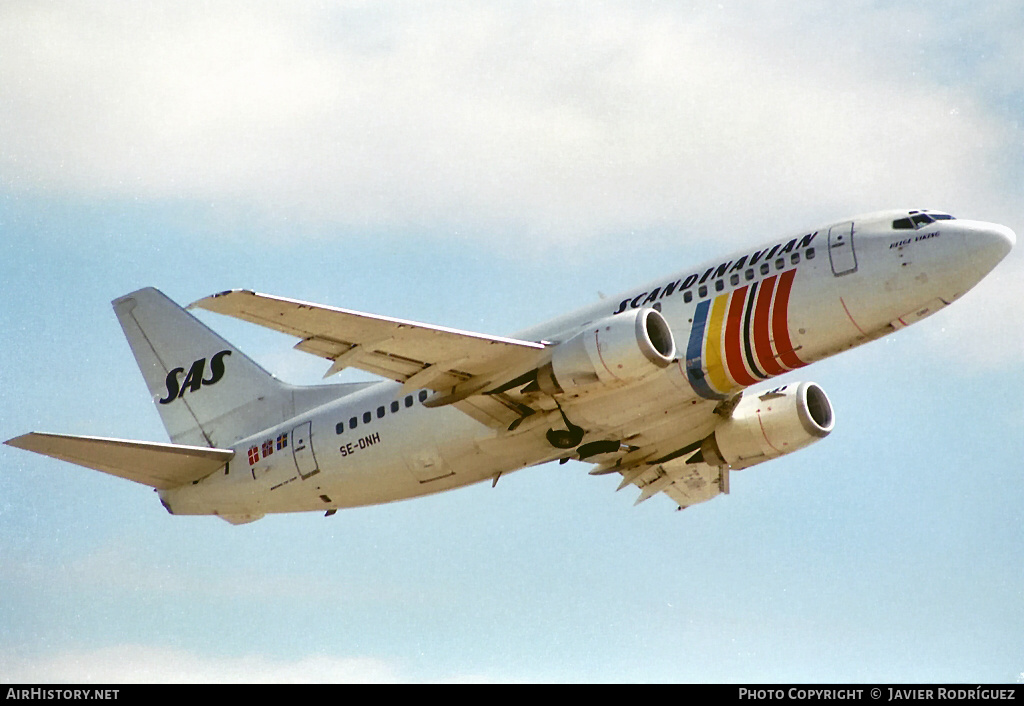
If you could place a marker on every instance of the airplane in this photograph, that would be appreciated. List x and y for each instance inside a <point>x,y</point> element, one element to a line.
<point>653,385</point>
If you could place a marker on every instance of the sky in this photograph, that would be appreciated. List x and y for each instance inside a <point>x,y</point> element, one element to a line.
<point>488,167</point>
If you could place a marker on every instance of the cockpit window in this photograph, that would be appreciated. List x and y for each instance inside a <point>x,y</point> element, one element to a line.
<point>919,219</point>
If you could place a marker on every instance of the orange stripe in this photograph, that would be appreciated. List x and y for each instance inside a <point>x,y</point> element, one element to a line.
<point>733,349</point>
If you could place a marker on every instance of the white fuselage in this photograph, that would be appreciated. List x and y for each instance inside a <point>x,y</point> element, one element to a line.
<point>736,321</point>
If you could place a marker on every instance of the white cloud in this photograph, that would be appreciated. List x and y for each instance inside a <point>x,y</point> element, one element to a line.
<point>144,664</point>
<point>501,120</point>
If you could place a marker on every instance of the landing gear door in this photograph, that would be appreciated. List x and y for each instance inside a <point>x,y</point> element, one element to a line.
<point>428,465</point>
<point>302,448</point>
<point>840,249</point>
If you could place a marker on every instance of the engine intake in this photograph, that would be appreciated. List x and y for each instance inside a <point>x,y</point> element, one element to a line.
<point>615,350</point>
<point>770,425</point>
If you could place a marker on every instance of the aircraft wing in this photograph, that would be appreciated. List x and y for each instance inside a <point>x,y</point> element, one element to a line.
<point>160,466</point>
<point>457,363</point>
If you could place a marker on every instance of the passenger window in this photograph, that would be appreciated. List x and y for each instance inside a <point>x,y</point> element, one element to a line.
<point>764,268</point>
<point>339,427</point>
<point>810,253</point>
<point>408,400</point>
<point>780,263</point>
<point>394,406</point>
<point>687,296</point>
<point>423,395</point>
<point>749,274</point>
<point>734,280</point>
<point>794,258</point>
<point>719,285</point>
<point>367,417</point>
<point>353,423</point>
<point>380,412</point>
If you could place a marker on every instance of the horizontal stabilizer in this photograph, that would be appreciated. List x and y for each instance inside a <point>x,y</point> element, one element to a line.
<point>160,466</point>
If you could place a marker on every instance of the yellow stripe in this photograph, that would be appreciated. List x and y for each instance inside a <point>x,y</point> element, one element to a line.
<point>713,345</point>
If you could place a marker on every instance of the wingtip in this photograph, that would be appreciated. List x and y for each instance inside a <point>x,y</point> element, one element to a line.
<point>202,303</point>
<point>19,442</point>
<point>132,295</point>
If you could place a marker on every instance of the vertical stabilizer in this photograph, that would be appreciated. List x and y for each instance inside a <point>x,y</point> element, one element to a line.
<point>208,392</point>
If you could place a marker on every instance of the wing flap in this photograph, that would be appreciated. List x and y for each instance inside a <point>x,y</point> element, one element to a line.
<point>685,483</point>
<point>661,456</point>
<point>160,466</point>
<point>697,483</point>
<point>668,468</point>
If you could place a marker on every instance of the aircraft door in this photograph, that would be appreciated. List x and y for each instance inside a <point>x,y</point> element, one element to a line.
<point>302,449</point>
<point>840,249</point>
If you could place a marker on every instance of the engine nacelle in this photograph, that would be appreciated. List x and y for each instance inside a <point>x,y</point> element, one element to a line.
<point>612,351</point>
<point>770,425</point>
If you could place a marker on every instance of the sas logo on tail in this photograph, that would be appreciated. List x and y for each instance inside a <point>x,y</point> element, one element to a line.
<point>194,379</point>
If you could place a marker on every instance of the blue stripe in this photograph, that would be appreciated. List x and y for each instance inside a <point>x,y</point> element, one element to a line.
<point>694,357</point>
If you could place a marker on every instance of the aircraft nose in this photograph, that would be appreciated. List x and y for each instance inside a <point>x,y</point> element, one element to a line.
<point>987,243</point>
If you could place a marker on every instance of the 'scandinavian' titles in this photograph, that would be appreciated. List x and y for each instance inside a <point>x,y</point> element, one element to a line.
<point>648,298</point>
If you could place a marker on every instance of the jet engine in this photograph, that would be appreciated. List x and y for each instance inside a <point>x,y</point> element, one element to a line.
<point>618,349</point>
<point>770,425</point>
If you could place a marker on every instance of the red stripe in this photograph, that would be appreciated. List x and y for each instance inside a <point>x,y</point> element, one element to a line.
<point>762,334</point>
<point>780,322</point>
<point>764,433</point>
<point>597,344</point>
<point>733,343</point>
<point>851,318</point>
